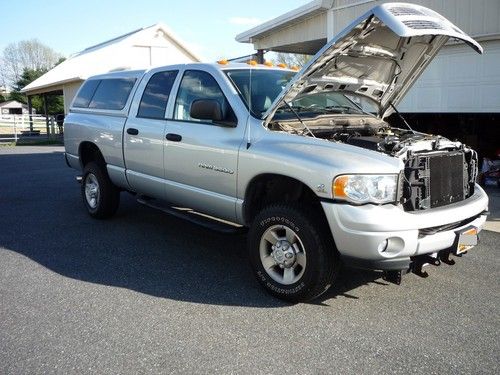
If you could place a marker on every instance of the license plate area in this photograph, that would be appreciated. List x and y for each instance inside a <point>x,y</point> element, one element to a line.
<point>467,239</point>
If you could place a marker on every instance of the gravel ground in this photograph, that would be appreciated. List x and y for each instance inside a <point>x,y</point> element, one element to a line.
<point>149,293</point>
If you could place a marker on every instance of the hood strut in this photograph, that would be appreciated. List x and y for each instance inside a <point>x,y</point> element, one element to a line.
<point>300,120</point>
<point>402,118</point>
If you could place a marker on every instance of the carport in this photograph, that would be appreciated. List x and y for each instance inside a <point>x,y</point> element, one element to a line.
<point>45,95</point>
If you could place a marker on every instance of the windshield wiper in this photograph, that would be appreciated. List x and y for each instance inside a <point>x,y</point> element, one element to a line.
<point>298,118</point>
<point>296,108</point>
<point>340,108</point>
<point>359,107</point>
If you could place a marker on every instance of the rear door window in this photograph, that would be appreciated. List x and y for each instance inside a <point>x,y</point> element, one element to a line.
<point>155,97</point>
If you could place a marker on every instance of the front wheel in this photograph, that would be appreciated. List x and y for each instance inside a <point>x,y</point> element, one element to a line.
<point>100,196</point>
<point>291,253</point>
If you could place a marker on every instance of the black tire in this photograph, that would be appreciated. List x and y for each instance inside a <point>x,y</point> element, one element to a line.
<point>108,197</point>
<point>321,264</point>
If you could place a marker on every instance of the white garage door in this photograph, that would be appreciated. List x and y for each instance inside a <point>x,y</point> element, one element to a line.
<point>459,80</point>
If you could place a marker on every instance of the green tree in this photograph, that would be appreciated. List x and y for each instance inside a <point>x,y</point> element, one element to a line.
<point>55,103</point>
<point>26,77</point>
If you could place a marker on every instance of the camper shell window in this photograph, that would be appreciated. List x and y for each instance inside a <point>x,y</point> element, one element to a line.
<point>105,94</point>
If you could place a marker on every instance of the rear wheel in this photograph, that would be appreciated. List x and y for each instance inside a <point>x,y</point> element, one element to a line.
<point>100,196</point>
<point>292,255</point>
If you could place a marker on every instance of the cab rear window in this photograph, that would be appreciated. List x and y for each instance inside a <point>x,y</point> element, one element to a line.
<point>105,94</point>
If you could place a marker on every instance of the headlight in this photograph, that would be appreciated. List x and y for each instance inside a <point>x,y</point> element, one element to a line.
<point>366,188</point>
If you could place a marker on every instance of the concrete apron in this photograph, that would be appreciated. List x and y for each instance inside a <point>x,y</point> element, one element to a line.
<point>493,221</point>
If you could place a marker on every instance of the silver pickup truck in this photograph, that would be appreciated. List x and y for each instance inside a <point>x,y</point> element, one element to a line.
<point>305,159</point>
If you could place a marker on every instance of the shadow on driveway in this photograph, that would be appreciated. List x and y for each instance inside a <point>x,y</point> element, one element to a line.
<point>43,218</point>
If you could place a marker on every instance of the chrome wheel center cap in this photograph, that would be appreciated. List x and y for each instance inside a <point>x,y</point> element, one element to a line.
<point>283,254</point>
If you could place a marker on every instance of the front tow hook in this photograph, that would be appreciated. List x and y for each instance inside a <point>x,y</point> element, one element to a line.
<point>444,256</point>
<point>419,263</point>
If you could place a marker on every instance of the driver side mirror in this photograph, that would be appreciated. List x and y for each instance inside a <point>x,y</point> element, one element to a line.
<point>210,109</point>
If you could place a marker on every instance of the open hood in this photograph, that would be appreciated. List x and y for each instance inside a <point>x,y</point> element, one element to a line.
<point>379,56</point>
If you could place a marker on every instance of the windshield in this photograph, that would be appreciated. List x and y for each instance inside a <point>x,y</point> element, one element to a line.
<point>265,85</point>
<point>322,102</point>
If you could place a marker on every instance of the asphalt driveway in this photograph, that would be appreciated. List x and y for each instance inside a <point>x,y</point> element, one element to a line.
<point>149,293</point>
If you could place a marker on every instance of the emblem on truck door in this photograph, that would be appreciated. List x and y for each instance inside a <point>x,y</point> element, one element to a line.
<point>215,168</point>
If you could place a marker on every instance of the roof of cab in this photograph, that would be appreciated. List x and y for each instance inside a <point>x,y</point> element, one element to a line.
<point>219,66</point>
<point>120,74</point>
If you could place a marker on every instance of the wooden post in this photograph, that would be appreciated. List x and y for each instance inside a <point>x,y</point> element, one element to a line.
<point>46,115</point>
<point>260,56</point>
<point>30,111</point>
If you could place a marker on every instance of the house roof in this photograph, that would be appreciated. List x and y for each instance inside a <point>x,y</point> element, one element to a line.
<point>294,16</point>
<point>12,104</point>
<point>114,54</point>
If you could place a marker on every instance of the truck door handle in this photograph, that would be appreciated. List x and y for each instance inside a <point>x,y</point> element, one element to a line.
<point>132,131</point>
<point>174,137</point>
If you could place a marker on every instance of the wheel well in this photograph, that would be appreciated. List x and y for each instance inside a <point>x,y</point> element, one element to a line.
<point>88,152</point>
<point>273,188</point>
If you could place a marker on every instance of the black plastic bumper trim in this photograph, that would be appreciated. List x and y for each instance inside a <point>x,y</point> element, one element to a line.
<point>381,264</point>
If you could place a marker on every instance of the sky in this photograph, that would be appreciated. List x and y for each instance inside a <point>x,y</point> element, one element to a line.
<point>208,28</point>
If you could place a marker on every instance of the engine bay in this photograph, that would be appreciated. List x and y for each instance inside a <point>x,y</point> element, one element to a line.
<point>363,131</point>
<point>437,171</point>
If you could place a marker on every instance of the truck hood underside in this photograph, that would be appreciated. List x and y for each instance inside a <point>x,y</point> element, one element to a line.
<point>379,56</point>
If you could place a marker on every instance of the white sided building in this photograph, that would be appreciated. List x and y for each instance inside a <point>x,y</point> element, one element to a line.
<point>458,95</point>
<point>143,48</point>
